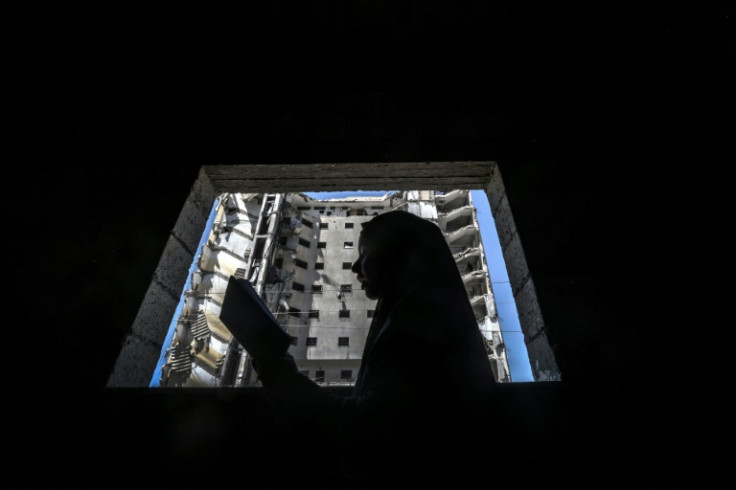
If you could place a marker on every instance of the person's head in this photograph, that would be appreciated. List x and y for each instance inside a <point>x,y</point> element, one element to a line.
<point>371,265</point>
<point>398,248</point>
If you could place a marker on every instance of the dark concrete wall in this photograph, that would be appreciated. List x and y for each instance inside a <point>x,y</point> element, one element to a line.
<point>111,115</point>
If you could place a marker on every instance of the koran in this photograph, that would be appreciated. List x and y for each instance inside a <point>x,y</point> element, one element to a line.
<point>251,322</point>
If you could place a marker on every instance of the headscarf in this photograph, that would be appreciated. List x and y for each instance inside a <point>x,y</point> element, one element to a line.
<point>417,258</point>
<point>414,252</point>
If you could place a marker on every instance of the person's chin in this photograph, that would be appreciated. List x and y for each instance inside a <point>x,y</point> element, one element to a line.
<point>369,293</point>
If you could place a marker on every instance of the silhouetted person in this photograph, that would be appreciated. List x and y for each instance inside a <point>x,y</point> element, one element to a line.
<point>416,411</point>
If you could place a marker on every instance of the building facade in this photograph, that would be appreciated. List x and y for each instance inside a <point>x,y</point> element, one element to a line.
<point>297,252</point>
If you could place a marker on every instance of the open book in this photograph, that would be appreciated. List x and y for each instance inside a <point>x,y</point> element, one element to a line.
<point>251,322</point>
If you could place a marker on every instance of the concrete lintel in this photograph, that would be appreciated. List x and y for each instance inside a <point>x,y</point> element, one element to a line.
<point>342,176</point>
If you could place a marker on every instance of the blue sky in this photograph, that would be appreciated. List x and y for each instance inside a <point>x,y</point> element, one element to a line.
<point>505,305</point>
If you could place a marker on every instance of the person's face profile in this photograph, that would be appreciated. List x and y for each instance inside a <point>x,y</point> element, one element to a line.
<point>368,269</point>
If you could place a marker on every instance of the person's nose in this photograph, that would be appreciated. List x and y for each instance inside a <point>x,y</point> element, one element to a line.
<point>356,266</point>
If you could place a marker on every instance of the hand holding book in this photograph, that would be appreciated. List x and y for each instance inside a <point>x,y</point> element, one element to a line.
<point>251,322</point>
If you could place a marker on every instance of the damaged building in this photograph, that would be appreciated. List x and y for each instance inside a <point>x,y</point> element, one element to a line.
<point>297,252</point>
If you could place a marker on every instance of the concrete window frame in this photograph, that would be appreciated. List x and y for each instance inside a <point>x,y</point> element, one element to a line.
<point>141,348</point>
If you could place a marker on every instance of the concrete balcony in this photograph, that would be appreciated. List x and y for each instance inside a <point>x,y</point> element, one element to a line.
<point>450,196</point>
<point>464,236</point>
<point>468,256</point>
<point>479,300</point>
<point>444,219</point>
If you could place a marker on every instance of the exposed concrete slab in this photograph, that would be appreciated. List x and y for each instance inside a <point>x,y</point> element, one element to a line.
<point>195,212</point>
<point>516,266</point>
<point>173,268</point>
<point>527,307</point>
<point>133,368</point>
<point>495,190</point>
<point>152,322</point>
<point>155,314</point>
<point>505,224</point>
<point>541,356</point>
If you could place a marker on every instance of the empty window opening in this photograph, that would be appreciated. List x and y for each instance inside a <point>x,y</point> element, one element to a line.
<point>454,213</point>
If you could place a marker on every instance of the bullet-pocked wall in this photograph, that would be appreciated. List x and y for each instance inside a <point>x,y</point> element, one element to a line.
<point>142,347</point>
